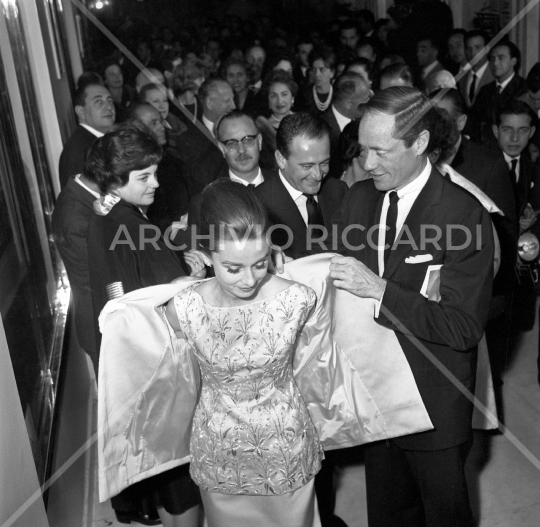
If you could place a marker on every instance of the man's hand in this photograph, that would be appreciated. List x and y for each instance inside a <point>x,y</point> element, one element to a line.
<point>278,261</point>
<point>353,276</point>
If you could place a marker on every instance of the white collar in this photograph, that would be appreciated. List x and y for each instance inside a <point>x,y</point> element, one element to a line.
<point>509,159</point>
<point>428,69</point>
<point>504,84</point>
<point>416,183</point>
<point>480,72</point>
<point>257,180</point>
<point>85,187</point>
<point>295,194</point>
<point>209,124</point>
<point>92,130</point>
<point>342,121</point>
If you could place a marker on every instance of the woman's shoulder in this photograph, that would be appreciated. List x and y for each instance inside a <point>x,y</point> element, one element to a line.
<point>280,284</point>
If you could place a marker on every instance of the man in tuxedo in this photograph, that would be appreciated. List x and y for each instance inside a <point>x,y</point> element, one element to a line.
<point>504,63</point>
<point>301,197</point>
<point>301,72</point>
<point>479,75</point>
<point>350,90</point>
<point>418,479</point>
<point>349,34</point>
<point>240,142</point>
<point>95,111</point>
<point>198,146</point>
<point>514,127</point>
<point>70,222</point>
<point>427,53</point>
<point>459,66</point>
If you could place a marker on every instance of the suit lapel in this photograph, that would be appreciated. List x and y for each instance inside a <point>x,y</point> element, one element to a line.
<point>420,214</point>
<point>281,200</point>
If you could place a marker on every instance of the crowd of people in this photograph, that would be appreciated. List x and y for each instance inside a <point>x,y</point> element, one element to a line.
<point>358,139</point>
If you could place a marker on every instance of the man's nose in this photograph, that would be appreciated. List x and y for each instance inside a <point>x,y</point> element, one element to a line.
<point>370,163</point>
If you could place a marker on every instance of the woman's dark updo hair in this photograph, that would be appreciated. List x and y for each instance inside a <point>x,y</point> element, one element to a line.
<point>112,157</point>
<point>282,77</point>
<point>444,135</point>
<point>349,148</point>
<point>230,211</point>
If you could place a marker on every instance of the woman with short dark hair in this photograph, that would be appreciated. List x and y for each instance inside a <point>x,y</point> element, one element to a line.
<point>126,253</point>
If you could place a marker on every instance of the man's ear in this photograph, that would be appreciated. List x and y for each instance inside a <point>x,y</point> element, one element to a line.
<point>281,161</point>
<point>259,140</point>
<point>533,129</point>
<point>461,122</point>
<point>495,129</point>
<point>422,142</point>
<point>222,147</point>
<point>79,111</point>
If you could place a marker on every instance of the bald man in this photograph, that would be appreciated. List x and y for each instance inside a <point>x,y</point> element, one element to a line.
<point>350,90</point>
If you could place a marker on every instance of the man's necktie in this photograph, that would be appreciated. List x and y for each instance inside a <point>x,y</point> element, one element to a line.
<point>314,213</point>
<point>499,89</point>
<point>513,171</point>
<point>472,89</point>
<point>251,185</point>
<point>391,220</point>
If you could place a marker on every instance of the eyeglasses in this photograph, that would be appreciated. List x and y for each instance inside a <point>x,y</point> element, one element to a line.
<point>232,144</point>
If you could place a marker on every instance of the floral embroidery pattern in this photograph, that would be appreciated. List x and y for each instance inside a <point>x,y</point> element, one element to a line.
<point>252,433</point>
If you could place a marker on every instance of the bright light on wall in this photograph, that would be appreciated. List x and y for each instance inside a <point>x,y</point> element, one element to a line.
<point>99,4</point>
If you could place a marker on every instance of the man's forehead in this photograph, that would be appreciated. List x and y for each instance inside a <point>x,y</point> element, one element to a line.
<point>96,91</point>
<point>238,127</point>
<point>306,147</point>
<point>511,119</point>
<point>376,128</point>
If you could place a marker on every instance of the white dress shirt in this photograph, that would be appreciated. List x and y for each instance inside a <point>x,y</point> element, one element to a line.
<point>256,181</point>
<point>407,196</point>
<point>92,130</point>
<point>479,74</point>
<point>504,84</point>
<point>342,121</point>
<point>298,197</point>
<point>209,124</point>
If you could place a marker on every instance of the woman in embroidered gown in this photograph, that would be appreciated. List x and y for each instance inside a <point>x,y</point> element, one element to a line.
<point>254,448</point>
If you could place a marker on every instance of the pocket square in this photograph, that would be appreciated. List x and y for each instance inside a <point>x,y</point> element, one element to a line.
<point>419,258</point>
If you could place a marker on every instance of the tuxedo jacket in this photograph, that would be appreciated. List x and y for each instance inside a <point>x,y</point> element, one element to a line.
<point>489,172</point>
<point>202,158</point>
<point>483,114</point>
<point>527,187</point>
<point>486,78</point>
<point>70,223</point>
<point>448,329</point>
<point>335,132</point>
<point>73,155</point>
<point>283,210</point>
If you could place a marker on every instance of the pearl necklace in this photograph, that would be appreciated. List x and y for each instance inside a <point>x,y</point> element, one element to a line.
<point>322,106</point>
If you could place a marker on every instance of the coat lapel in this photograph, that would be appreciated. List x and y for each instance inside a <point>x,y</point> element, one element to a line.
<point>420,214</point>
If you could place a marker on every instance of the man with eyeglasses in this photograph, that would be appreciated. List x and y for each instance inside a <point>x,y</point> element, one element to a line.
<point>240,143</point>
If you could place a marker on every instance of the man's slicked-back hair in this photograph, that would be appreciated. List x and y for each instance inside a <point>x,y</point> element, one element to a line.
<point>210,86</point>
<point>347,85</point>
<point>533,78</point>
<point>516,108</point>
<point>412,110</point>
<point>80,94</point>
<point>299,125</point>
<point>233,116</point>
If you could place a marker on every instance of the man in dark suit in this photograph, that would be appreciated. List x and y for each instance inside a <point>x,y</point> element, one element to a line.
<point>240,142</point>
<point>504,63</point>
<point>490,174</point>
<point>198,145</point>
<point>479,75</point>
<point>301,196</point>
<point>302,199</point>
<point>350,90</point>
<point>514,127</point>
<point>94,107</point>
<point>427,53</point>
<point>70,222</point>
<point>418,479</point>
